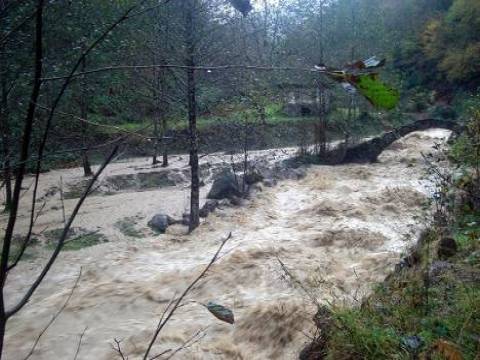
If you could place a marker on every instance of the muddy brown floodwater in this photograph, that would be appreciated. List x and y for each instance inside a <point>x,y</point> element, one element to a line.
<point>338,230</point>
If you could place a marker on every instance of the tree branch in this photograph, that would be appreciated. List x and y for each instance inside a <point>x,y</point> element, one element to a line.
<point>62,239</point>
<point>177,303</point>
<point>80,343</point>
<point>54,316</point>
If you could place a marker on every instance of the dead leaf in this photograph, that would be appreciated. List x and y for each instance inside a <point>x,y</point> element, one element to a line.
<point>448,350</point>
<point>221,312</point>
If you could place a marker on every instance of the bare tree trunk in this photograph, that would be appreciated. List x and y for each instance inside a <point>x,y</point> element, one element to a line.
<point>20,167</point>
<point>322,122</point>
<point>87,170</point>
<point>156,89</point>
<point>321,100</point>
<point>155,134</point>
<point>5,136</point>
<point>164,142</point>
<point>245,158</point>
<point>192,117</point>
<point>4,126</point>
<point>155,144</point>
<point>25,145</point>
<point>160,121</point>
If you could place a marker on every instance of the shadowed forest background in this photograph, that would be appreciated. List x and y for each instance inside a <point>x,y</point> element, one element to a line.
<point>431,47</point>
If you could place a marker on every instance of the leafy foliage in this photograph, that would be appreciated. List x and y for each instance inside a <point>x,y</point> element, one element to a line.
<point>395,311</point>
<point>378,93</point>
<point>446,50</point>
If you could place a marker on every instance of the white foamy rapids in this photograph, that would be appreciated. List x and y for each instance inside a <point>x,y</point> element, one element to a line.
<point>338,231</point>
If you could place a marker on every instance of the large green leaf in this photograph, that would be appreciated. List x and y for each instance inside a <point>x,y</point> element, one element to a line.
<point>379,94</point>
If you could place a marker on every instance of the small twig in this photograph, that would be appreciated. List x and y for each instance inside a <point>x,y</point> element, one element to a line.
<point>192,340</point>
<point>161,354</point>
<point>80,343</point>
<point>118,349</point>
<point>55,316</point>
<point>297,282</point>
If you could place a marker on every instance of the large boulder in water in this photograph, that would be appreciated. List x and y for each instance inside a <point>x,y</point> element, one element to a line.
<point>225,186</point>
<point>161,222</point>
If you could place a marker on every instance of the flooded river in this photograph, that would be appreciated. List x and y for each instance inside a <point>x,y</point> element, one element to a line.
<point>338,231</point>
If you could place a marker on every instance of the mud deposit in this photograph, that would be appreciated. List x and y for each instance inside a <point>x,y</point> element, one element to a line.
<point>338,230</point>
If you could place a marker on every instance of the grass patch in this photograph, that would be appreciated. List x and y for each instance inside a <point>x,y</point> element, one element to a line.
<point>127,227</point>
<point>84,241</point>
<point>77,239</point>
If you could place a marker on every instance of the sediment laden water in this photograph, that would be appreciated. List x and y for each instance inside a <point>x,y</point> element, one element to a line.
<point>338,231</point>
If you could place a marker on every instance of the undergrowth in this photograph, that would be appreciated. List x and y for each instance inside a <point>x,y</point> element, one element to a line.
<point>405,318</point>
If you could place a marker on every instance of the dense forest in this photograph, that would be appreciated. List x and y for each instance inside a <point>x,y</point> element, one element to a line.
<point>89,85</point>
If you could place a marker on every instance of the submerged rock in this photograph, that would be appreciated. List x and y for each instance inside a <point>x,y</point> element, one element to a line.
<point>208,208</point>
<point>225,186</point>
<point>269,182</point>
<point>161,222</point>
<point>253,177</point>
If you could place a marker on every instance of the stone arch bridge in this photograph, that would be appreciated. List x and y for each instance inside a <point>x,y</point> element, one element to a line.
<point>369,151</point>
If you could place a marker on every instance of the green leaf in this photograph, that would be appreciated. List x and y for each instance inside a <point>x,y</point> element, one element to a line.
<point>221,312</point>
<point>376,92</point>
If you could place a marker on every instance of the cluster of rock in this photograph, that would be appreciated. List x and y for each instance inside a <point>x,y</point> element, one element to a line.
<point>230,188</point>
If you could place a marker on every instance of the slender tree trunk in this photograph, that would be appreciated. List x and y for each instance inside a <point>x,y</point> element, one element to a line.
<point>164,142</point>
<point>321,96</point>
<point>156,135</point>
<point>245,158</point>
<point>5,136</point>
<point>20,171</point>
<point>192,117</point>
<point>156,92</point>
<point>160,122</point>
<point>156,130</point>
<point>3,324</point>
<point>4,126</point>
<point>87,170</point>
